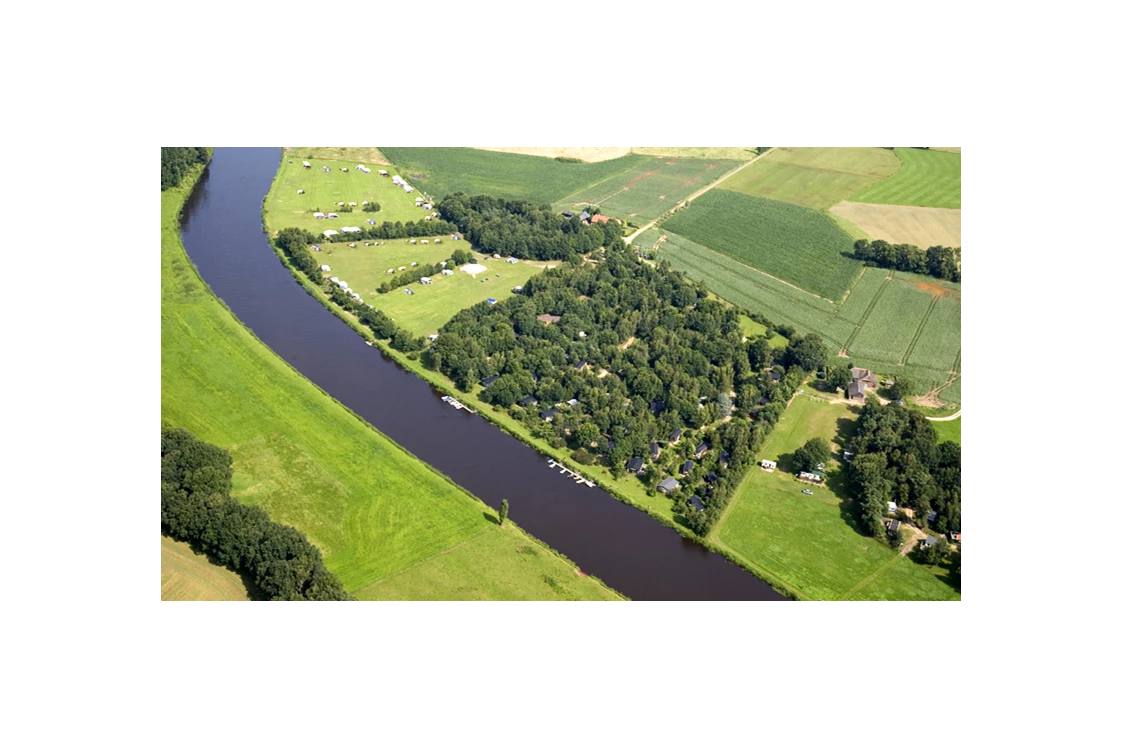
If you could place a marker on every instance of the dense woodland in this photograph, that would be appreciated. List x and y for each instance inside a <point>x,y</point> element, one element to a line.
<point>939,262</point>
<point>519,228</point>
<point>658,357</point>
<point>897,458</point>
<point>176,162</point>
<point>195,507</point>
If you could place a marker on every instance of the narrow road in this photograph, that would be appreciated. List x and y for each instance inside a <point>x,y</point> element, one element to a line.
<point>699,193</point>
<point>948,418</point>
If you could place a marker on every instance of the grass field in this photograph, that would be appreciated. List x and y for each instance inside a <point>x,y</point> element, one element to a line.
<point>949,431</point>
<point>648,190</point>
<point>430,306</point>
<point>796,244</point>
<point>501,565</point>
<point>810,542</point>
<point>322,190</point>
<point>442,171</point>
<point>366,156</point>
<point>186,575</point>
<point>725,154</point>
<point>589,155</point>
<point>904,224</point>
<point>814,177</point>
<point>929,179</point>
<point>373,509</point>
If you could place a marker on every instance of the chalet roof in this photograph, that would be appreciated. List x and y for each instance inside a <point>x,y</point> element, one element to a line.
<point>668,484</point>
<point>489,380</point>
<point>723,457</point>
<point>653,449</point>
<point>676,434</point>
<point>697,503</point>
<point>687,466</point>
<point>547,319</point>
<point>711,477</point>
<point>635,464</point>
<point>600,218</point>
<point>548,415</point>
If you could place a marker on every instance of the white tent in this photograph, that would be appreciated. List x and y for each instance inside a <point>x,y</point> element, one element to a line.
<point>325,268</point>
<point>318,214</point>
<point>306,164</point>
<point>330,232</point>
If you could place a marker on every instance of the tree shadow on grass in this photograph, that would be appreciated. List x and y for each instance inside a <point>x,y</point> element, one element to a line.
<point>492,518</point>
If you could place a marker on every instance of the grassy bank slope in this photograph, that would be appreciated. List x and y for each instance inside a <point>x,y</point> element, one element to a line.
<point>187,575</point>
<point>373,509</point>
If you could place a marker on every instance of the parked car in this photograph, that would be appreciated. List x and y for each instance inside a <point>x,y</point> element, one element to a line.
<point>808,492</point>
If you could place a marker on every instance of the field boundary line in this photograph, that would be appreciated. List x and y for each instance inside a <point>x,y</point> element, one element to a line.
<point>881,570</point>
<point>866,315</point>
<point>919,330</point>
<point>699,193</point>
<point>845,296</point>
<point>602,181</point>
<point>431,556</point>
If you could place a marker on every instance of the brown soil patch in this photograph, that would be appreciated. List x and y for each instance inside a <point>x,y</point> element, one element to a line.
<point>932,288</point>
<point>905,224</point>
<point>359,155</point>
<point>590,155</point>
<point>627,343</point>
<point>640,178</point>
<point>580,573</point>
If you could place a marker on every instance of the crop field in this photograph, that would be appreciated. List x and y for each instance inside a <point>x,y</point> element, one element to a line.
<point>365,156</point>
<point>186,575</point>
<point>898,313</point>
<point>372,508</point>
<point>904,224</point>
<point>648,190</point>
<point>322,190</point>
<point>814,177</point>
<point>928,179</point>
<point>938,347</point>
<point>807,542</point>
<point>442,171</point>
<point>724,154</point>
<point>796,244</point>
<point>754,291</point>
<point>589,155</point>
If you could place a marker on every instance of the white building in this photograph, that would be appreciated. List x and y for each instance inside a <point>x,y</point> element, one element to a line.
<point>325,268</point>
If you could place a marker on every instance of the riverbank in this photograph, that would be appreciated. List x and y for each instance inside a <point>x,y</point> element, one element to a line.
<point>626,489</point>
<point>373,509</point>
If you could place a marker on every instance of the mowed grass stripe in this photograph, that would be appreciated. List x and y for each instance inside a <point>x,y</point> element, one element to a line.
<point>926,178</point>
<point>799,245</point>
<point>442,171</point>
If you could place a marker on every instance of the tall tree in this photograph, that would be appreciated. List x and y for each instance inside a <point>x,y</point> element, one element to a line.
<point>503,506</point>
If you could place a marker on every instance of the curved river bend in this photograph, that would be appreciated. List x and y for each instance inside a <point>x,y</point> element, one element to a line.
<point>630,551</point>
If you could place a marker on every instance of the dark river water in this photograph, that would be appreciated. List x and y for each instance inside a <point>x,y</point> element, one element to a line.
<point>630,551</point>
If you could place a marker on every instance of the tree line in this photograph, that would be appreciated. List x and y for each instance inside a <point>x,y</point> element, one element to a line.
<point>176,162</point>
<point>195,507</point>
<point>938,261</point>
<point>682,367</point>
<point>393,230</point>
<point>518,228</point>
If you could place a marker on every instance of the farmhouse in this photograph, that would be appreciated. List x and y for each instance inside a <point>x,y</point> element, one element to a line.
<point>635,464</point>
<point>862,379</point>
<point>598,218</point>
<point>768,465</point>
<point>584,216</point>
<point>811,477</point>
<point>547,319</point>
<point>668,485</point>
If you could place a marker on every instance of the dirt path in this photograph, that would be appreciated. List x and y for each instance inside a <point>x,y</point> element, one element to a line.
<point>948,418</point>
<point>699,193</point>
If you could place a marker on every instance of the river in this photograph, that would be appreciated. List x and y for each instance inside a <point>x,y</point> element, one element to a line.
<point>630,551</point>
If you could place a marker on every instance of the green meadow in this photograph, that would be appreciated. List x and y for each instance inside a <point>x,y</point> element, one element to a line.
<point>431,305</point>
<point>927,178</point>
<point>373,509</point>
<point>949,431</point>
<point>324,190</point>
<point>442,171</point>
<point>810,542</point>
